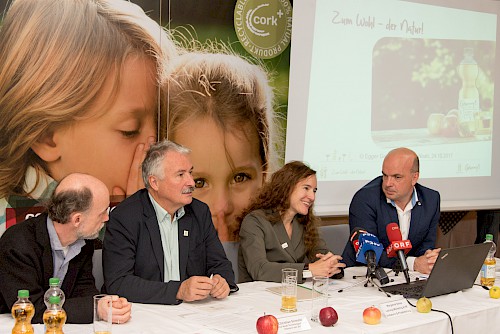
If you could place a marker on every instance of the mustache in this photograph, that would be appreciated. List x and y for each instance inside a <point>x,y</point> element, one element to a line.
<point>188,190</point>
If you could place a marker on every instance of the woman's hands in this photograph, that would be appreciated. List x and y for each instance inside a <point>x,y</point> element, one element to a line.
<point>327,265</point>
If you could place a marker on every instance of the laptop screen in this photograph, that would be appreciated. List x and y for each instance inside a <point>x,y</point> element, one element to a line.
<point>455,269</point>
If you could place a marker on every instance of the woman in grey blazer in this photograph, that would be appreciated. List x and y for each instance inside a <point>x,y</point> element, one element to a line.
<point>279,229</point>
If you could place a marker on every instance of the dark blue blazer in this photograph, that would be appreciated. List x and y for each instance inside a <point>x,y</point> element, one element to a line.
<point>133,253</point>
<point>369,210</point>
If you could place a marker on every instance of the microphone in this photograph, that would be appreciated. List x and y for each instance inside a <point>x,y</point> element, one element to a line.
<point>354,238</point>
<point>398,247</point>
<point>368,251</point>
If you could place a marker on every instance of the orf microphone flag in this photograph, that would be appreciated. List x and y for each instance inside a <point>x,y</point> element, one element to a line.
<point>396,242</point>
<point>398,247</point>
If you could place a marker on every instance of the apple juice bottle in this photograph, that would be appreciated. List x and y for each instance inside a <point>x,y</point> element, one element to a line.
<point>489,265</point>
<point>22,312</point>
<point>54,316</point>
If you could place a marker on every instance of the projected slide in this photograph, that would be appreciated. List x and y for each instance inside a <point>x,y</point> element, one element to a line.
<point>391,71</point>
<point>385,74</point>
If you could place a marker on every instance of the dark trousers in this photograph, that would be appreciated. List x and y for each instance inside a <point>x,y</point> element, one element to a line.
<point>488,222</point>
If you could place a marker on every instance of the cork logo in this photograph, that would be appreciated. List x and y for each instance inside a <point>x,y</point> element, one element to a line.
<point>263,27</point>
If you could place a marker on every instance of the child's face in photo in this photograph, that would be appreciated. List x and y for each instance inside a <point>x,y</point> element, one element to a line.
<point>227,169</point>
<point>104,145</point>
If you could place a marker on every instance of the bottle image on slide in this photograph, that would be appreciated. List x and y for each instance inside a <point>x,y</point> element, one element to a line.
<point>468,97</point>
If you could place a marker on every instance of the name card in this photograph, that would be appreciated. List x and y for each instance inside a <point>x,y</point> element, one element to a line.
<point>395,308</point>
<point>292,324</point>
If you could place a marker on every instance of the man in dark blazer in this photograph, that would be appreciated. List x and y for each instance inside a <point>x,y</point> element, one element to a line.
<point>29,250</point>
<point>397,197</point>
<point>160,244</point>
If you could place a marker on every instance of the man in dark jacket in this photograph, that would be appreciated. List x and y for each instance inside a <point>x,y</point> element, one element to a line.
<point>396,197</point>
<point>160,244</point>
<point>60,244</point>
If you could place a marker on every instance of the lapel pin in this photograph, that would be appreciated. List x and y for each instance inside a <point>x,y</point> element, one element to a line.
<point>284,245</point>
<point>186,233</point>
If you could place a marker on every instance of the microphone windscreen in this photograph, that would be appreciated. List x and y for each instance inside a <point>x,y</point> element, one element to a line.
<point>393,232</point>
<point>355,233</point>
<point>369,242</point>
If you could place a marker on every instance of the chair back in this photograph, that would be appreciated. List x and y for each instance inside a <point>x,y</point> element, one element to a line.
<point>231,249</point>
<point>335,236</point>
<point>97,269</point>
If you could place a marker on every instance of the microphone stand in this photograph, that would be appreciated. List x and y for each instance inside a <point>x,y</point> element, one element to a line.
<point>373,283</point>
<point>399,268</point>
<point>353,285</point>
<point>369,278</point>
<point>407,276</point>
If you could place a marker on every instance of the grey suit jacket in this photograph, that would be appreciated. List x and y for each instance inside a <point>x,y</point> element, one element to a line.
<point>265,248</point>
<point>133,253</point>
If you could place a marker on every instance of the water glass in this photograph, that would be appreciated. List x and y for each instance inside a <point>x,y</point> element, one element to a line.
<point>103,306</point>
<point>319,295</point>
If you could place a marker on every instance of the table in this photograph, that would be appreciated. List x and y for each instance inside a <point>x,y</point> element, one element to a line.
<point>472,311</point>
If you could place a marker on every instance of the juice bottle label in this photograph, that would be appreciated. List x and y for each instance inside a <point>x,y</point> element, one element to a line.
<point>488,271</point>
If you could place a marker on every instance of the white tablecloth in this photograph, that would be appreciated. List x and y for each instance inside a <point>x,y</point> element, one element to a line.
<point>472,311</point>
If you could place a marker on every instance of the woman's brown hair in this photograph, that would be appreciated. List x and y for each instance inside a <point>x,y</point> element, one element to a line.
<point>275,196</point>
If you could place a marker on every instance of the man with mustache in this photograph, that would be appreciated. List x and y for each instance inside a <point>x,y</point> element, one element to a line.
<point>160,245</point>
<point>395,196</point>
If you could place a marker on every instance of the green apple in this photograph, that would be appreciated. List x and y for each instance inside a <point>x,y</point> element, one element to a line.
<point>424,305</point>
<point>495,292</point>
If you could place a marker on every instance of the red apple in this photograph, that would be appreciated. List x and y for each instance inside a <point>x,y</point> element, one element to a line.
<point>328,316</point>
<point>267,324</point>
<point>372,315</point>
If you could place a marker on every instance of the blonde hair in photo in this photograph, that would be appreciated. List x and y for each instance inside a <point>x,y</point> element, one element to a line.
<point>229,89</point>
<point>55,57</point>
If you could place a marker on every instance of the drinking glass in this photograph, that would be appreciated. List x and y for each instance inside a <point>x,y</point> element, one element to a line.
<point>288,290</point>
<point>319,295</point>
<point>102,314</point>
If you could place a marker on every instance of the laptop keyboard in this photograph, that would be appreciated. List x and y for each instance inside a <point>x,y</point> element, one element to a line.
<point>412,290</point>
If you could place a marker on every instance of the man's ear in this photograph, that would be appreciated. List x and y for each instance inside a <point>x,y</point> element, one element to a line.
<point>416,175</point>
<point>47,147</point>
<point>76,219</point>
<point>153,182</point>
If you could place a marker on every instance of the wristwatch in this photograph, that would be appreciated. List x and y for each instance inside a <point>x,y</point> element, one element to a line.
<point>306,273</point>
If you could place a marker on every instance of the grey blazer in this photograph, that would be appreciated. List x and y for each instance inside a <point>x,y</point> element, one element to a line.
<point>265,248</point>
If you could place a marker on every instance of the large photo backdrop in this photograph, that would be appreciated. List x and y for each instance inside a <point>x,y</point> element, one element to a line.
<point>222,92</point>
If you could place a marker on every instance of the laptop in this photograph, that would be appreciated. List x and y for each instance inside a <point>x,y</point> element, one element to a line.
<point>455,269</point>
